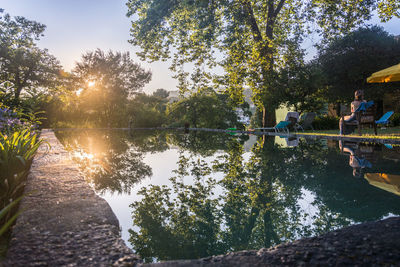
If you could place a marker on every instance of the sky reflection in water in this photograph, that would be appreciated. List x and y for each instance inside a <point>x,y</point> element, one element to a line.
<point>200,194</point>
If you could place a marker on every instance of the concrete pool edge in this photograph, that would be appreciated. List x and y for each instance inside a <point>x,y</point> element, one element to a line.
<point>395,141</point>
<point>348,138</point>
<point>63,221</point>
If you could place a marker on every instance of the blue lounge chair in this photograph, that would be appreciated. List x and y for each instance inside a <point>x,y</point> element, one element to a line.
<point>365,105</point>
<point>385,118</point>
<point>389,146</point>
<point>281,126</point>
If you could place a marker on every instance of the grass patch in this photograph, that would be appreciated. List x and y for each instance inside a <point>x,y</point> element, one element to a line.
<point>383,133</point>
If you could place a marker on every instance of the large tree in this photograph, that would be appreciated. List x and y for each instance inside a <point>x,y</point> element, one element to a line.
<point>347,62</point>
<point>22,63</point>
<point>247,38</point>
<point>106,80</point>
<point>205,109</point>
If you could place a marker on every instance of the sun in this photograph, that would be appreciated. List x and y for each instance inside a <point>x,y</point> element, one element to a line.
<point>91,83</point>
<point>79,91</point>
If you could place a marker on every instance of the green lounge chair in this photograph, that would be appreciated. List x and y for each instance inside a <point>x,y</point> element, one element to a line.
<point>282,126</point>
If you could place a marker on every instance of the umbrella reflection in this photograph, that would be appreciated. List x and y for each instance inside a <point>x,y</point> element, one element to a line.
<point>387,182</point>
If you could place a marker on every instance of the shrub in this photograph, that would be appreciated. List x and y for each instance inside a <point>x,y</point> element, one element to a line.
<point>12,120</point>
<point>395,119</point>
<point>326,123</point>
<point>8,120</point>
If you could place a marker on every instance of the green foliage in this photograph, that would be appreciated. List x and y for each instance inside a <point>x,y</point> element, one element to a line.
<point>388,9</point>
<point>161,93</point>
<point>254,38</point>
<point>23,64</point>
<point>395,119</point>
<point>107,80</point>
<point>6,211</point>
<point>203,110</point>
<point>347,61</point>
<point>17,150</point>
<point>326,123</point>
<point>148,111</point>
<point>98,92</point>
<point>8,215</point>
<point>300,85</point>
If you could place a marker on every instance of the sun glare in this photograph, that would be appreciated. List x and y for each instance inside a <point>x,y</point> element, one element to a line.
<point>79,91</point>
<point>91,83</point>
<point>83,155</point>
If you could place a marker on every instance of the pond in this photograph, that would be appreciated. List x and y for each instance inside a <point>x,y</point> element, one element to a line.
<point>180,196</point>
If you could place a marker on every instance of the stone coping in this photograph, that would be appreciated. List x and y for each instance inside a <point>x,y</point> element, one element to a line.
<point>290,135</point>
<point>281,134</point>
<point>63,222</point>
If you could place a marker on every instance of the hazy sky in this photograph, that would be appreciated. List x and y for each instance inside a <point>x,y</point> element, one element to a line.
<point>76,26</point>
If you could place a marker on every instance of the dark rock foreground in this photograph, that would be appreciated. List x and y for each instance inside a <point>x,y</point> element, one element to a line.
<point>368,244</point>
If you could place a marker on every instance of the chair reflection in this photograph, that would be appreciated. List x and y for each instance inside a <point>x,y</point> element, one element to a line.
<point>361,156</point>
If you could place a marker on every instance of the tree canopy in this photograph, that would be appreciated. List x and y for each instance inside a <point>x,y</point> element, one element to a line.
<point>23,64</point>
<point>205,109</point>
<point>347,61</point>
<point>106,80</point>
<point>247,39</point>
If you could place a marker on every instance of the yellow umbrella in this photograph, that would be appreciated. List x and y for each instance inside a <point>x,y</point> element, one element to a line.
<point>388,182</point>
<point>391,74</point>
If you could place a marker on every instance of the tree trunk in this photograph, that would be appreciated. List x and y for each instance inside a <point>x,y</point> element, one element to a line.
<point>269,117</point>
<point>17,94</point>
<point>270,236</point>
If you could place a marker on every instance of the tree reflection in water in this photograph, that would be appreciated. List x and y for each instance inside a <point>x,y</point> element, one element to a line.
<point>237,200</point>
<point>262,199</point>
<point>109,159</point>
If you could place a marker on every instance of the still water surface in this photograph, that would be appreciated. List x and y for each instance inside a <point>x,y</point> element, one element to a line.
<point>181,196</point>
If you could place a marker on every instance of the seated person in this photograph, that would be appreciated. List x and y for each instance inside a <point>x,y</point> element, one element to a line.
<point>358,100</point>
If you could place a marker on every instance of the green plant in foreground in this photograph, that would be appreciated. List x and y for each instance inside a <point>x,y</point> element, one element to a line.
<point>16,154</point>
<point>7,218</point>
<point>4,214</point>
